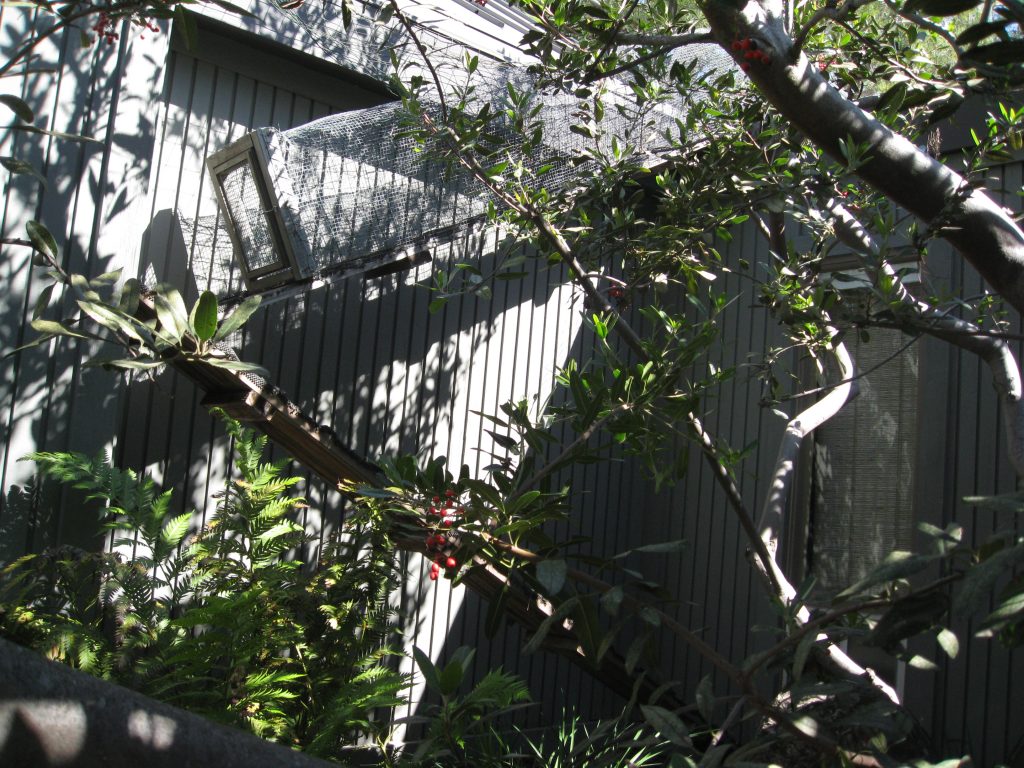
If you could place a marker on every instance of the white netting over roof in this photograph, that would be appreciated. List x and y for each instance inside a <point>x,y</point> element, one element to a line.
<point>354,185</point>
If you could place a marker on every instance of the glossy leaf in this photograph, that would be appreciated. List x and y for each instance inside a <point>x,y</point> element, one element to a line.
<point>42,239</point>
<point>237,318</point>
<point>204,316</point>
<point>667,723</point>
<point>20,167</point>
<point>940,7</point>
<point>427,669</point>
<point>170,309</point>
<point>551,575</point>
<point>18,106</point>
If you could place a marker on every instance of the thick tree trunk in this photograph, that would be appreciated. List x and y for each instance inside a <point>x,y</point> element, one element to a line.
<point>975,225</point>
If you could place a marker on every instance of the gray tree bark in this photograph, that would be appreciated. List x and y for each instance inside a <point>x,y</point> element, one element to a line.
<point>980,230</point>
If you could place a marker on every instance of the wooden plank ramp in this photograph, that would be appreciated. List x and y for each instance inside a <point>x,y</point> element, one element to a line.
<point>249,399</point>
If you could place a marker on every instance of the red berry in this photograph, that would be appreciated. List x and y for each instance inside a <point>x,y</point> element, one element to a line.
<point>433,575</point>
<point>449,493</point>
<point>745,44</point>
<point>437,499</point>
<point>451,562</point>
<point>736,45</point>
<point>745,66</point>
<point>441,540</point>
<point>766,59</point>
<point>449,503</point>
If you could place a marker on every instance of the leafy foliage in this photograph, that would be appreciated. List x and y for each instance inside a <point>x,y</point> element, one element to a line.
<point>223,622</point>
<point>147,328</point>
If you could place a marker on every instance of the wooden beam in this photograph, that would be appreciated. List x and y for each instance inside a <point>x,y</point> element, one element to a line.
<point>249,399</point>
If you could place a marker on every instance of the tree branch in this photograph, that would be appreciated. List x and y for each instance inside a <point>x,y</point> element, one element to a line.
<point>408,26</point>
<point>801,425</point>
<point>982,231</point>
<point>922,316</point>
<point>826,12</point>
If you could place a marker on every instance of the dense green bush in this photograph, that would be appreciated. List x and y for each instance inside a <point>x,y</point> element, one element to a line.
<point>223,622</point>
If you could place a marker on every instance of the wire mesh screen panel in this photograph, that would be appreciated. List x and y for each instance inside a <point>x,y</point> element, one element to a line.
<point>248,211</point>
<point>863,468</point>
<point>350,190</point>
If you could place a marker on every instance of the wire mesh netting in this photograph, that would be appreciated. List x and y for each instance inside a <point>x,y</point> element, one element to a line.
<point>353,186</point>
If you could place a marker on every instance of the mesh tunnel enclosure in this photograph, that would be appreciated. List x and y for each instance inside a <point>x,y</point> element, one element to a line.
<point>354,191</point>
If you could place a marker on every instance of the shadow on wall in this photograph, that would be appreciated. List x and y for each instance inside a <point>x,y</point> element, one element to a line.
<point>47,400</point>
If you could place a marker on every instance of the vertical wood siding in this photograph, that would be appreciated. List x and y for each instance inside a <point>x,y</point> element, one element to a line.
<point>48,401</point>
<point>367,358</point>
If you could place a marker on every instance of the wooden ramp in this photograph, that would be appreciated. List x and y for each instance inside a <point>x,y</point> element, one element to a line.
<point>250,400</point>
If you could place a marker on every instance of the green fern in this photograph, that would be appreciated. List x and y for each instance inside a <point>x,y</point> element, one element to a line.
<point>224,622</point>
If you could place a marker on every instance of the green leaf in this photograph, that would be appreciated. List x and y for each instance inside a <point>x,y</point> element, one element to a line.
<point>636,650</point>
<point>1010,608</point>
<point>41,238</point>
<point>43,301</point>
<point>940,7</point>
<point>385,14</point>
<point>949,643</point>
<point>237,319</point>
<point>21,110</point>
<point>978,581</point>
<point>237,366</point>
<point>130,364</point>
<point>803,650</point>
<point>451,677</point>
<point>662,547</point>
<point>110,319</point>
<point>917,661</point>
<point>907,617</point>
<point>705,696</point>
<point>55,328</point>
<point>667,723</point>
<point>612,599</point>
<point>897,565</point>
<point>171,311</point>
<point>978,32</point>
<point>204,316</point>
<point>427,669</point>
<point>549,622</point>
<point>495,613</point>
<point>1003,52</point>
<point>175,530</point>
<point>551,574</point>
<point>14,165</point>
<point>54,134</point>
<point>130,294</point>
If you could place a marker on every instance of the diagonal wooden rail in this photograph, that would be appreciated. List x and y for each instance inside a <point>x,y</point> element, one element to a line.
<point>248,399</point>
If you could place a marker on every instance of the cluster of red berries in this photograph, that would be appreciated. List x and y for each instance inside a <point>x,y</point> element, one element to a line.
<point>747,47</point>
<point>617,293</point>
<point>437,543</point>
<point>151,26</point>
<point>104,28</point>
